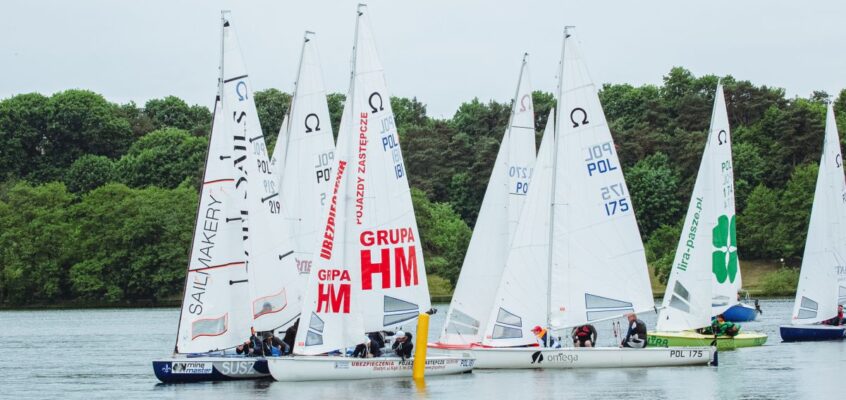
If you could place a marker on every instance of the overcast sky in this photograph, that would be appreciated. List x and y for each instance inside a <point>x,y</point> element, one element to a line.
<point>444,52</point>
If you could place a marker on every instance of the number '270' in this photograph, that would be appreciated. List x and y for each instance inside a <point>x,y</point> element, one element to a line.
<point>614,206</point>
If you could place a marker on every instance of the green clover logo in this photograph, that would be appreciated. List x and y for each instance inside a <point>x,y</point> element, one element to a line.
<point>724,257</point>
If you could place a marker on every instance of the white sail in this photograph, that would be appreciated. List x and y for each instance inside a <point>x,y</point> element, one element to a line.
<point>308,159</point>
<point>271,268</point>
<point>823,262</point>
<point>520,300</point>
<point>704,277</point>
<point>598,267</point>
<point>368,273</point>
<point>214,313</point>
<point>277,160</point>
<point>508,186</point>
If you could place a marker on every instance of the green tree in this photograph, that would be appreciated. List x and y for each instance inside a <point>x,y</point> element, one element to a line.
<point>444,235</point>
<point>163,158</point>
<point>89,172</point>
<point>36,243</point>
<point>173,112</point>
<point>134,242</point>
<point>796,201</point>
<point>23,123</point>
<point>336,109</point>
<point>759,227</point>
<point>653,184</point>
<point>271,105</point>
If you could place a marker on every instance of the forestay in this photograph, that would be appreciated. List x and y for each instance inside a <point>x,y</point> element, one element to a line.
<point>705,271</point>
<point>214,312</point>
<point>821,284</point>
<point>368,273</point>
<point>507,188</point>
<point>598,268</point>
<point>271,267</point>
<point>309,155</point>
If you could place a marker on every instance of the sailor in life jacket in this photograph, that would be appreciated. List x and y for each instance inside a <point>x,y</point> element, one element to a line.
<point>636,335</point>
<point>545,338</point>
<point>584,336</point>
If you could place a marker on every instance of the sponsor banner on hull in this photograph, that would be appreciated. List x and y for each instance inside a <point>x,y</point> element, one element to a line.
<point>191,367</point>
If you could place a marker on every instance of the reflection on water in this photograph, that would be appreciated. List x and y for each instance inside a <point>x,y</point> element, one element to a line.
<point>107,354</point>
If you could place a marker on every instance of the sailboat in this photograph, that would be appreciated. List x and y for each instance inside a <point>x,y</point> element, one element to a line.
<point>368,273</point>
<point>822,281</point>
<point>304,154</point>
<point>215,313</point>
<point>576,256</point>
<point>507,190</point>
<point>705,273</point>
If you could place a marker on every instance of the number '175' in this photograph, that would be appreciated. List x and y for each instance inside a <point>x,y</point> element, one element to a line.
<point>614,206</point>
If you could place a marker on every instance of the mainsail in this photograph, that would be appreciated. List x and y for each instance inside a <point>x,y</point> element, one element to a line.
<point>508,186</point>
<point>277,159</point>
<point>214,311</point>
<point>591,265</point>
<point>823,262</point>
<point>696,292</point>
<point>271,267</point>
<point>308,157</point>
<point>368,272</point>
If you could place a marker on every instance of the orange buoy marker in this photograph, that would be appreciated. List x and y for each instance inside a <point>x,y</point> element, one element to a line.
<point>419,366</point>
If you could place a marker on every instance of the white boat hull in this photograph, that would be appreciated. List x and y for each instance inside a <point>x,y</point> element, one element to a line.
<point>319,368</point>
<point>577,358</point>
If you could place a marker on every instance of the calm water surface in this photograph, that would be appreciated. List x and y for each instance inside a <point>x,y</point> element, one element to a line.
<point>107,354</point>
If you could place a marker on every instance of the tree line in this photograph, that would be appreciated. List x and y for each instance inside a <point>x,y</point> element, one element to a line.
<point>97,200</point>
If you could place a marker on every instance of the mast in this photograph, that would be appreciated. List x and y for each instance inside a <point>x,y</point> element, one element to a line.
<point>306,39</point>
<point>556,142</point>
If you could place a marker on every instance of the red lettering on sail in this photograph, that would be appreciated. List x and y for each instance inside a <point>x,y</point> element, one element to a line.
<point>329,232</point>
<point>406,268</point>
<point>331,301</point>
<point>362,168</point>
<point>368,268</point>
<point>397,242</point>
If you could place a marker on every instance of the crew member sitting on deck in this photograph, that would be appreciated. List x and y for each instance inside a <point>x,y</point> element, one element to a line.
<point>545,338</point>
<point>402,345</point>
<point>272,346</point>
<point>636,335</point>
<point>255,343</point>
<point>367,348</point>
<point>584,336</point>
<point>724,328</point>
<point>837,320</point>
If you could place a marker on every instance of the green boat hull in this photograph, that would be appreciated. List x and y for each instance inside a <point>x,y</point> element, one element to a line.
<point>693,339</point>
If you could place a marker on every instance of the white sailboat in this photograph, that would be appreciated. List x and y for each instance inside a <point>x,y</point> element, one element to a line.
<point>368,274</point>
<point>821,281</point>
<point>705,274</point>
<point>306,156</point>
<point>215,313</point>
<point>467,318</point>
<point>577,256</point>
<point>273,277</point>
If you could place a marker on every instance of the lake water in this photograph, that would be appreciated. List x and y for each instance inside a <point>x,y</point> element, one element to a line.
<point>108,354</point>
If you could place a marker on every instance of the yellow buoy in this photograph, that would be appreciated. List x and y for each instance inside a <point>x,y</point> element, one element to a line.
<point>419,366</point>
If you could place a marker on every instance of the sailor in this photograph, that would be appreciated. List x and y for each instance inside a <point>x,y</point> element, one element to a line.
<point>546,340</point>
<point>245,348</point>
<point>584,336</point>
<point>255,343</point>
<point>291,335</point>
<point>402,345</point>
<point>272,346</point>
<point>636,335</point>
<point>724,328</point>
<point>837,320</point>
